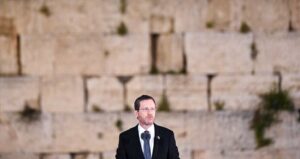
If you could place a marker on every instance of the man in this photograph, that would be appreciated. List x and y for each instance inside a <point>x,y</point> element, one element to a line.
<point>146,140</point>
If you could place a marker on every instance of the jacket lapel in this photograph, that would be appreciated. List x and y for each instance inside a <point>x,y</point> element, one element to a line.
<point>156,142</point>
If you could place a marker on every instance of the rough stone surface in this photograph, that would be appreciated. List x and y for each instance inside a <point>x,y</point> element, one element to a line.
<point>17,92</point>
<point>294,6</point>
<point>8,55</point>
<point>105,93</point>
<point>187,92</point>
<point>19,134</point>
<point>231,50</point>
<point>169,54</point>
<point>161,24</point>
<point>219,130</point>
<point>276,19</point>
<point>291,82</point>
<point>92,131</point>
<point>278,52</point>
<point>150,85</point>
<point>240,92</point>
<point>62,94</point>
<point>57,156</point>
<point>19,156</point>
<point>218,14</point>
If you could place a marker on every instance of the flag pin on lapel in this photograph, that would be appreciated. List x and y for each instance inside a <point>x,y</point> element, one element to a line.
<point>158,137</point>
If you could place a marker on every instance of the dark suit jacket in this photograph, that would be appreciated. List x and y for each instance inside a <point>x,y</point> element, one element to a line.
<point>164,144</point>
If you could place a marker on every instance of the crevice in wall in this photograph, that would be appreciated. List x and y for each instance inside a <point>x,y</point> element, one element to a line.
<point>253,55</point>
<point>85,93</point>
<point>154,41</point>
<point>18,49</point>
<point>279,76</point>
<point>124,80</point>
<point>184,67</point>
<point>209,91</point>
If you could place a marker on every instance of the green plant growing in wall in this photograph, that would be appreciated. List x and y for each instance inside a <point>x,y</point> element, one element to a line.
<point>127,108</point>
<point>119,124</point>
<point>122,29</point>
<point>245,28</point>
<point>164,105</point>
<point>45,11</point>
<point>210,24</point>
<point>30,114</point>
<point>219,105</point>
<point>97,109</point>
<point>271,104</point>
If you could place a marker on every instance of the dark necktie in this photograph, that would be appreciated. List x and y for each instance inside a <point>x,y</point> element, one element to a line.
<point>147,152</point>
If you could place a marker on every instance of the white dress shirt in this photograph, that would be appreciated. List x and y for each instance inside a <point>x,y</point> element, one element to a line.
<point>151,141</point>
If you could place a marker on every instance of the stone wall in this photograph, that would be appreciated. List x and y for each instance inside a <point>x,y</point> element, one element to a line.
<point>70,71</point>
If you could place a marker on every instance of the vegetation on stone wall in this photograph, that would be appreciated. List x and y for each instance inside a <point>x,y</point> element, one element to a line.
<point>45,11</point>
<point>245,28</point>
<point>123,5</point>
<point>122,29</point>
<point>96,108</point>
<point>271,104</point>
<point>119,124</point>
<point>127,108</point>
<point>210,24</point>
<point>219,105</point>
<point>164,105</point>
<point>30,114</point>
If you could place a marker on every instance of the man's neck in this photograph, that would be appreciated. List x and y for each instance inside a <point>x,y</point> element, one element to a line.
<point>146,127</point>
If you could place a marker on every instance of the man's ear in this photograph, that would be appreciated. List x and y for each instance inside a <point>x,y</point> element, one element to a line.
<point>136,113</point>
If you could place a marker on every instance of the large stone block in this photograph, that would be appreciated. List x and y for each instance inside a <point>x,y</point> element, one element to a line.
<point>187,92</point>
<point>128,55</point>
<point>278,52</point>
<point>169,54</point>
<point>92,132</point>
<point>20,134</point>
<point>17,92</point>
<point>219,130</point>
<point>148,85</point>
<point>86,54</point>
<point>230,50</point>
<point>62,94</point>
<point>291,82</point>
<point>56,156</point>
<point>246,154</point>
<point>219,14</point>
<point>37,60</point>
<point>108,154</point>
<point>294,6</point>
<point>65,17</point>
<point>19,155</point>
<point>105,93</point>
<point>266,16</point>
<point>8,54</point>
<point>240,92</point>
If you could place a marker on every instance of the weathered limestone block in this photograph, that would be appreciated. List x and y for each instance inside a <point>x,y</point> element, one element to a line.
<point>161,24</point>
<point>265,16</point>
<point>148,85</point>
<point>18,155</point>
<point>62,94</point>
<point>278,52</point>
<point>94,132</point>
<point>240,92</point>
<point>105,93</point>
<point>108,154</point>
<point>230,50</point>
<point>246,154</point>
<point>169,55</point>
<point>294,6</point>
<point>190,15</point>
<point>128,120</point>
<point>86,54</point>
<point>8,54</point>
<point>286,133</point>
<point>38,54</point>
<point>219,130</point>
<point>17,92</point>
<point>187,92</point>
<point>128,55</point>
<point>19,134</point>
<point>218,14</point>
<point>65,17</point>
<point>291,82</point>
<point>57,156</point>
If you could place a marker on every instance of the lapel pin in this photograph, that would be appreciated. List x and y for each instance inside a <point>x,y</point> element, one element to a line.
<point>158,137</point>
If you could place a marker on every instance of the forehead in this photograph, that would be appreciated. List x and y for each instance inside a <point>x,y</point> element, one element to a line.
<point>147,103</point>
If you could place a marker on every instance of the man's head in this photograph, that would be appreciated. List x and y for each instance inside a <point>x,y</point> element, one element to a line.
<point>145,108</point>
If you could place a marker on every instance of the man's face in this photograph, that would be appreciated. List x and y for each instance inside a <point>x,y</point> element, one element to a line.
<point>146,113</point>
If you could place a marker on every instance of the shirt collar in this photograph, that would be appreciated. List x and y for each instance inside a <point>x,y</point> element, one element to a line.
<point>150,129</point>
